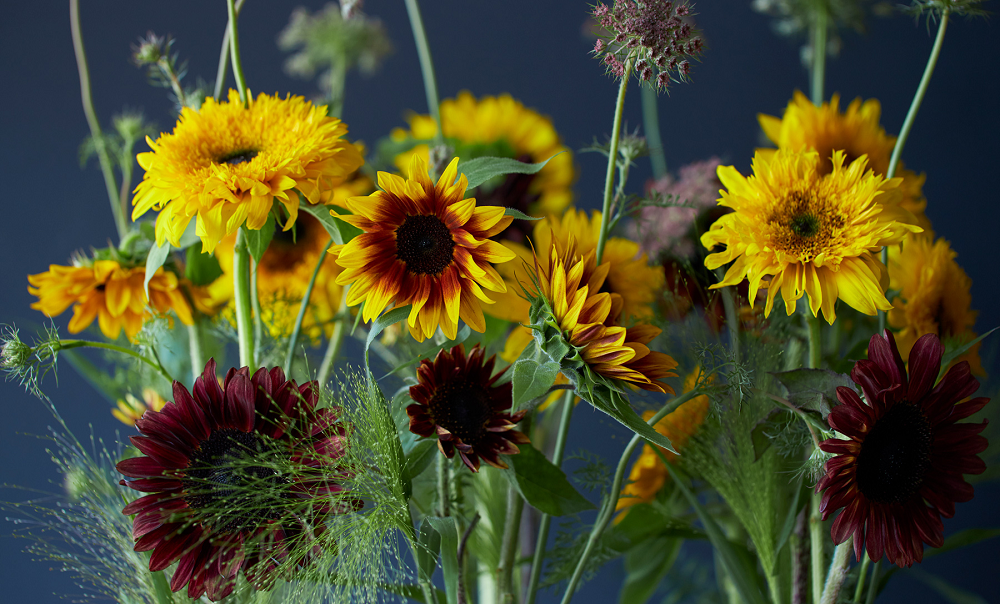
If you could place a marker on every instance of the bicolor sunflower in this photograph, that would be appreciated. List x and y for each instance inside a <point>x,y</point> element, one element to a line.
<point>110,292</point>
<point>648,473</point>
<point>241,476</point>
<point>900,468</point>
<point>856,132</point>
<point>225,164</point>
<point>933,296</point>
<point>457,400</point>
<point>423,245</point>
<point>500,126</point>
<point>807,232</point>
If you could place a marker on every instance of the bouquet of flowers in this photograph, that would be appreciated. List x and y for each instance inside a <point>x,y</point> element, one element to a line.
<point>349,373</point>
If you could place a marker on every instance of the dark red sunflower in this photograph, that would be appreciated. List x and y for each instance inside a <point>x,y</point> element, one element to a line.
<point>241,476</point>
<point>457,399</point>
<point>902,467</point>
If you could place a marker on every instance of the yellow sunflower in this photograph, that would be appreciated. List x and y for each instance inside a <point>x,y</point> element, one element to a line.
<point>109,292</point>
<point>629,274</point>
<point>282,278</point>
<point>856,132</point>
<point>809,232</point>
<point>425,245</point>
<point>590,320</point>
<point>933,296</point>
<point>131,409</point>
<point>648,473</point>
<point>226,164</point>
<point>501,126</point>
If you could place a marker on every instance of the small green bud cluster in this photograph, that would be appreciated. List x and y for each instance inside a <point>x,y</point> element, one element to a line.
<point>13,352</point>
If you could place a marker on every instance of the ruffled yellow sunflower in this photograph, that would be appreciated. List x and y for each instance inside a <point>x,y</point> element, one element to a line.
<point>629,274</point>
<point>501,126</point>
<point>423,245</point>
<point>282,279</point>
<point>809,232</point>
<point>856,132</point>
<point>109,292</point>
<point>933,296</point>
<point>648,473</point>
<point>226,164</point>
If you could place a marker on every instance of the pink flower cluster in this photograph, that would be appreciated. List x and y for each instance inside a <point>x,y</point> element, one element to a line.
<point>668,231</point>
<point>652,33</point>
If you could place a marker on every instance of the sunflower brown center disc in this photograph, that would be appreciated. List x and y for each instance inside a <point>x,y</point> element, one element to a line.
<point>895,455</point>
<point>462,408</point>
<point>425,244</point>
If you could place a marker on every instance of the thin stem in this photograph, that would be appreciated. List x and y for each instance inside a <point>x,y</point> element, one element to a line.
<point>838,572</point>
<point>651,121</point>
<point>862,575</point>
<point>819,32</point>
<point>546,520</point>
<point>873,584</point>
<point>816,540</point>
<point>508,547</point>
<point>337,76</point>
<point>293,341</point>
<point>815,340</point>
<point>125,165</point>
<point>194,346</point>
<point>426,65</point>
<point>608,509</point>
<point>732,320</point>
<point>444,496</point>
<point>609,179</point>
<point>234,50</point>
<point>258,315</point>
<point>460,596</point>
<point>95,126</point>
<point>70,344</point>
<point>336,339</point>
<point>241,290</point>
<point>223,69</point>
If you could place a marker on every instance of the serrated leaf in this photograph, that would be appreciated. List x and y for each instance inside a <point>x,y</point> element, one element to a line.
<point>258,239</point>
<point>531,380</point>
<point>157,256</point>
<point>449,554</point>
<point>481,169</point>
<point>518,214</point>
<point>543,485</point>
<point>813,389</point>
<point>951,355</point>
<point>200,268</point>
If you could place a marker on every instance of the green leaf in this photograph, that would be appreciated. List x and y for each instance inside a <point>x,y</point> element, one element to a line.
<point>200,268</point>
<point>340,231</point>
<point>531,380</point>
<point>948,591</point>
<point>449,554</point>
<point>542,484</point>
<point>638,525</point>
<point>428,547</point>
<point>417,461</point>
<point>519,214</point>
<point>462,335</point>
<point>258,239</point>
<point>615,405</point>
<point>410,592</point>
<point>952,354</point>
<point>189,237</point>
<point>744,576</point>
<point>378,326</point>
<point>798,502</point>
<point>813,389</point>
<point>157,256</point>
<point>645,567</point>
<point>481,169</point>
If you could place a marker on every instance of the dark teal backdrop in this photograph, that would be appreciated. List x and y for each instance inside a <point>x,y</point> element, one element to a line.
<point>530,48</point>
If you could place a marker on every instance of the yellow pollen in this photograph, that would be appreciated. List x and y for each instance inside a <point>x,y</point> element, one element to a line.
<point>805,224</point>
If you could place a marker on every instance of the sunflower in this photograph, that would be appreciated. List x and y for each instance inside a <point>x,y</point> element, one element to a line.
<point>629,274</point>
<point>501,126</point>
<point>111,293</point>
<point>856,132</point>
<point>423,245</point>
<point>283,276</point>
<point>648,473</point>
<point>240,476</point>
<point>591,321</point>
<point>811,233</point>
<point>933,295</point>
<point>457,399</point>
<point>131,409</point>
<point>226,164</point>
<point>901,467</point>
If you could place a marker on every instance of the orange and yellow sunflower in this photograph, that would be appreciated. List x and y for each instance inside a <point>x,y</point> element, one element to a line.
<point>423,245</point>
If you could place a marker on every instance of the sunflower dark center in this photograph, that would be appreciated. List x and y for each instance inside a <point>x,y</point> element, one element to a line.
<point>233,482</point>
<point>238,157</point>
<point>425,244</point>
<point>804,225</point>
<point>895,455</point>
<point>462,408</point>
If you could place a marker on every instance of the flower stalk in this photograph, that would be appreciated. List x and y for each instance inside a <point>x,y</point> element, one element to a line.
<point>234,51</point>
<point>837,573</point>
<point>862,575</point>
<point>154,363</point>
<point>242,297</point>
<point>651,121</point>
<point>336,340</point>
<point>609,179</point>
<point>223,69</point>
<point>293,341</point>
<point>426,65</point>
<point>194,348</point>
<point>820,26</point>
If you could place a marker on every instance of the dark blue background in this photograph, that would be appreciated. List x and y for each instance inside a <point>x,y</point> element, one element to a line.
<point>535,51</point>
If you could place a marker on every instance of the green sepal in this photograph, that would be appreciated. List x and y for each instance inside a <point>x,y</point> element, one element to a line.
<point>543,485</point>
<point>201,268</point>
<point>532,377</point>
<point>481,169</point>
<point>258,239</point>
<point>157,256</point>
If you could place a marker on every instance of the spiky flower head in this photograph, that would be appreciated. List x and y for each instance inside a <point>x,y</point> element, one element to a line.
<point>648,37</point>
<point>13,352</point>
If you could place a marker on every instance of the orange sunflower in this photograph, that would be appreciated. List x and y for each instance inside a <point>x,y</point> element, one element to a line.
<point>423,245</point>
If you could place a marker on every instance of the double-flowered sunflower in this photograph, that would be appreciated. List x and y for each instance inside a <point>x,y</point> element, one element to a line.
<point>226,164</point>
<point>424,245</point>
<point>799,229</point>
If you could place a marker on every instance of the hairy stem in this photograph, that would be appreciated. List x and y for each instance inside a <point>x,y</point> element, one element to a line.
<point>117,209</point>
<point>800,560</point>
<point>426,65</point>
<point>241,291</point>
<point>293,341</point>
<point>223,69</point>
<point>234,52</point>
<point>819,31</point>
<point>336,340</point>
<point>154,363</point>
<point>194,347</point>
<point>838,572</point>
<point>651,122</point>
<point>609,179</point>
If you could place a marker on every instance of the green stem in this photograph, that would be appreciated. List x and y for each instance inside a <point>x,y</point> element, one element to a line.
<point>732,320</point>
<point>234,51</point>
<point>651,121</point>
<point>293,341</point>
<point>543,526</point>
<point>881,313</point>
<point>194,346</point>
<point>70,344</point>
<point>816,540</point>
<point>508,547</point>
<point>223,69</point>
<point>258,315</point>
<point>444,497</point>
<point>426,65</point>
<point>241,291</point>
<point>337,76</point>
<point>838,572</point>
<point>608,509</point>
<point>862,574</point>
<point>609,179</point>
<point>819,32</point>
<point>161,588</point>
<point>336,339</point>
<point>873,584</point>
<point>95,126</point>
<point>815,340</point>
